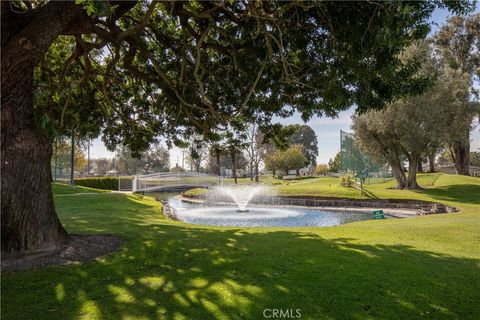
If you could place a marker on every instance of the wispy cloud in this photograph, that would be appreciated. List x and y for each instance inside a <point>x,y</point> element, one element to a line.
<point>330,121</point>
<point>344,118</point>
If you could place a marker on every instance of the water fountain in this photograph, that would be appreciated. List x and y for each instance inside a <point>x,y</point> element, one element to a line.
<point>236,206</point>
<point>241,195</point>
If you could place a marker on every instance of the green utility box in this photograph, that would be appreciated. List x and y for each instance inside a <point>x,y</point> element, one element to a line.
<point>378,214</point>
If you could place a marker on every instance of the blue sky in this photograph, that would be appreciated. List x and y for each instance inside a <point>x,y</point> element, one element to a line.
<point>327,129</point>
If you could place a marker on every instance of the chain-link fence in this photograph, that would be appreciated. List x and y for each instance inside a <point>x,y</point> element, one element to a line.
<point>61,173</point>
<point>352,159</point>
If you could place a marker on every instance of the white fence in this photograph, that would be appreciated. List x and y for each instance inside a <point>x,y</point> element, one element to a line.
<point>165,180</point>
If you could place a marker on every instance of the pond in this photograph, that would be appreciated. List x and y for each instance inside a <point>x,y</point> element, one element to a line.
<point>260,215</point>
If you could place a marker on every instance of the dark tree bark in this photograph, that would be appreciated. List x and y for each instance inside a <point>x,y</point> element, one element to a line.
<point>399,174</point>
<point>431,162</point>
<point>460,153</point>
<point>28,215</point>
<point>256,172</point>
<point>412,173</point>
<point>217,156</point>
<point>29,220</point>
<point>420,165</point>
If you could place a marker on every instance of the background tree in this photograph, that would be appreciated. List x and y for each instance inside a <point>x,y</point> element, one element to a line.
<point>197,153</point>
<point>196,158</point>
<point>334,164</point>
<point>234,144</point>
<point>177,169</point>
<point>453,96</point>
<point>172,68</point>
<point>125,163</point>
<point>272,162</point>
<point>216,150</point>
<point>155,159</point>
<point>410,128</point>
<point>256,150</point>
<point>305,136</point>
<point>407,129</point>
<point>459,42</point>
<point>445,158</point>
<point>102,166</point>
<point>292,158</point>
<point>322,169</point>
<point>475,158</point>
<point>226,162</point>
<point>61,160</point>
<point>374,137</point>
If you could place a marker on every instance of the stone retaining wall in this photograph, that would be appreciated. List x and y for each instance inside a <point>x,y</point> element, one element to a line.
<point>421,207</point>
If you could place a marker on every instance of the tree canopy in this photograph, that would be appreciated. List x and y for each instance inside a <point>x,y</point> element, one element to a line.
<point>292,158</point>
<point>459,43</point>
<point>142,69</point>
<point>409,129</point>
<point>305,136</point>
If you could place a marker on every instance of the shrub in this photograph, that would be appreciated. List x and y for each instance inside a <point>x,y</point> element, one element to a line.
<point>322,169</point>
<point>347,179</point>
<point>104,183</point>
<point>192,193</point>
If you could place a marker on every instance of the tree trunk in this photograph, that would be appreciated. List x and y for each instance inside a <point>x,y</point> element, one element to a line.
<point>217,155</point>
<point>297,172</point>
<point>431,161</point>
<point>399,174</point>
<point>420,165</point>
<point>460,153</point>
<point>273,173</point>
<point>256,173</point>
<point>412,173</point>
<point>251,171</point>
<point>234,166</point>
<point>28,215</point>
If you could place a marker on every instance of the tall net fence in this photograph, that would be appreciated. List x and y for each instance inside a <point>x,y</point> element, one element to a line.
<point>60,171</point>
<point>352,159</point>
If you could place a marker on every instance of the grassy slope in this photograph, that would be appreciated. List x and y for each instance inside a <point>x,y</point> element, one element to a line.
<point>61,189</point>
<point>424,267</point>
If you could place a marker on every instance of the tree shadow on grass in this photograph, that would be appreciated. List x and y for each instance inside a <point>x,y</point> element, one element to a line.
<point>177,271</point>
<point>463,193</point>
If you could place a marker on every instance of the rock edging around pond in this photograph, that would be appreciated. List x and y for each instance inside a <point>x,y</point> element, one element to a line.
<point>420,207</point>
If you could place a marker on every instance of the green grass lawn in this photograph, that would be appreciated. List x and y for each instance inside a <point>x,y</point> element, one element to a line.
<point>61,189</point>
<point>420,268</point>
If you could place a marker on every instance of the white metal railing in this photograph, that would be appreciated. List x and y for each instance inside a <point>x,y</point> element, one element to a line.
<point>163,180</point>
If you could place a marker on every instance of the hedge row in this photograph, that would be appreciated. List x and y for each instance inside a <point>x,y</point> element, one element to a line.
<point>104,183</point>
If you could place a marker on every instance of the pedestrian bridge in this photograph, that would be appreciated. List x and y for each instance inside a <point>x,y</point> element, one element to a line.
<point>173,181</point>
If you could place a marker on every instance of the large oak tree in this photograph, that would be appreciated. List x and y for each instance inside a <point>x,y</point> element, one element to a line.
<point>459,41</point>
<point>165,68</point>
